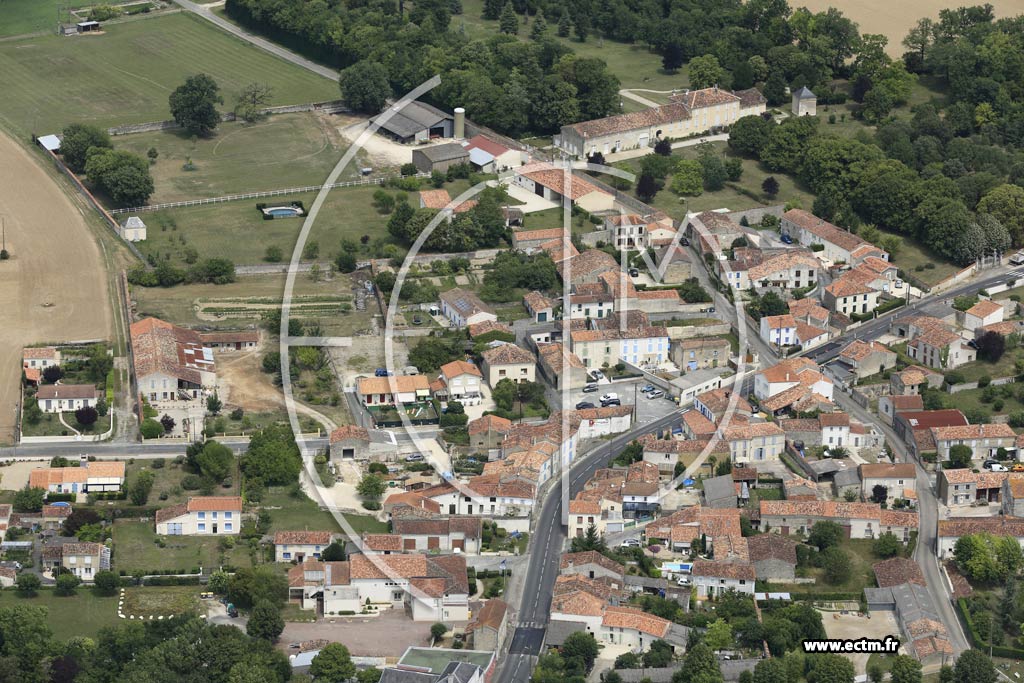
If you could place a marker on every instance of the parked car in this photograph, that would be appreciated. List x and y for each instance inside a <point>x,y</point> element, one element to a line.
<point>683,241</point>
<point>382,372</point>
<point>990,461</point>
<point>786,239</point>
<point>647,388</point>
<point>631,543</point>
<point>590,388</point>
<point>709,309</point>
<point>612,402</point>
<point>996,467</point>
<point>596,375</point>
<point>415,457</point>
<point>634,272</point>
<point>232,611</point>
<point>583,405</point>
<point>683,581</point>
<point>609,397</point>
<point>657,393</point>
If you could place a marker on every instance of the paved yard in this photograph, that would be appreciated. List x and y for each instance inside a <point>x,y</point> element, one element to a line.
<point>15,475</point>
<point>385,636</point>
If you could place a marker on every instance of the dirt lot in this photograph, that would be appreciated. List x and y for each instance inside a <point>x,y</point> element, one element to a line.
<point>851,626</point>
<point>15,475</point>
<point>385,636</point>
<point>894,19</point>
<point>53,288</point>
<point>242,382</point>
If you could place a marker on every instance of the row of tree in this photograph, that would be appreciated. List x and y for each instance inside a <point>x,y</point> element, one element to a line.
<point>507,84</point>
<point>123,176</point>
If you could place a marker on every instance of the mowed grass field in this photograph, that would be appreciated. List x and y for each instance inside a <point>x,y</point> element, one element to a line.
<point>31,16</point>
<point>126,74</point>
<point>282,151</point>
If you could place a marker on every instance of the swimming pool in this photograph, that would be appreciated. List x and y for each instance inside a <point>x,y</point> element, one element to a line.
<point>283,211</point>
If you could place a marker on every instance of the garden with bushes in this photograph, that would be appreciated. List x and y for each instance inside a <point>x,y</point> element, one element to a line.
<point>90,365</point>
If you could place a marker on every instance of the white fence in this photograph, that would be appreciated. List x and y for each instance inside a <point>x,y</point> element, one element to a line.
<point>256,195</point>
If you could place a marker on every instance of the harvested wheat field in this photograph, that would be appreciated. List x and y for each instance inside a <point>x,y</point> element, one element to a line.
<point>894,19</point>
<point>53,288</point>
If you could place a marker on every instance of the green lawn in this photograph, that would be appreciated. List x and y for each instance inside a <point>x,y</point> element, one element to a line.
<point>126,75</point>
<point>282,151</point>
<point>135,549</point>
<point>31,16</point>
<point>237,229</point>
<point>288,513</point>
<point>168,480</point>
<point>861,558</point>
<point>914,254</point>
<point>50,425</point>
<point>82,614</point>
<point>1004,367</point>
<point>161,600</point>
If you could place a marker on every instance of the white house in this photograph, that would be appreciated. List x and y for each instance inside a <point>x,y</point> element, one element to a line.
<point>779,330</point>
<point>711,578</point>
<point>84,560</point>
<point>640,346</point>
<point>201,516</point>
<point>91,477</point>
<point>59,398</point>
<point>463,382</point>
<point>838,245</point>
<point>171,362</point>
<point>296,546</point>
<point>40,357</point>
<point>389,391</point>
<point>758,442</point>
<point>791,373</point>
<point>508,361</point>
<point>983,313</point>
<point>465,308</point>
<point>549,182</point>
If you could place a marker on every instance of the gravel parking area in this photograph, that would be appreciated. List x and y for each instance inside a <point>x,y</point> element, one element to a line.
<point>385,636</point>
<point>852,626</point>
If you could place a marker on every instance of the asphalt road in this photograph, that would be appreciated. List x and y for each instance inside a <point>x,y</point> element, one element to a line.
<point>545,550</point>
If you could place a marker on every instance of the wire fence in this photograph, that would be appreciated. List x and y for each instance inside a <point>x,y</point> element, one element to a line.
<point>379,180</point>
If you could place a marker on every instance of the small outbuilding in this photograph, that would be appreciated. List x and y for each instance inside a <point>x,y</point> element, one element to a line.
<point>87,26</point>
<point>805,102</point>
<point>50,143</point>
<point>133,230</point>
<point>415,122</point>
<point>439,157</point>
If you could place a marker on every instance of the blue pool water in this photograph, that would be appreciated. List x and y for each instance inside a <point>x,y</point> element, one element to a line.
<point>283,212</point>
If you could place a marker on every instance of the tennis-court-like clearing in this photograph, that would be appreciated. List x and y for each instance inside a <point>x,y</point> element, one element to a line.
<point>127,74</point>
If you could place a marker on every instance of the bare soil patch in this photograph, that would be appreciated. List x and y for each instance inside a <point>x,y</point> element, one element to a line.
<point>54,287</point>
<point>894,19</point>
<point>242,382</point>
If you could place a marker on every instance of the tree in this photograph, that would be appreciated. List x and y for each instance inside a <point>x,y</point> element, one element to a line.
<point>66,584</point>
<point>540,26</point>
<point>215,460</point>
<point>247,587</point>
<point>672,57</point>
<point>28,584</point>
<point>960,456</point>
<point>991,346</point>
<point>53,374</point>
<point>273,456</point>
<point>749,134</point>
<point>714,173</point>
<point>771,671</point>
<point>663,147</point>
<point>830,668</point>
<point>437,632</point>
<point>265,621</point>
<point>508,21</point>
<point>138,490</point>
<point>252,101</point>
<point>86,416</point>
<point>699,666</point>
<point>29,499</point>
<point>706,72</point>
<point>76,141</point>
<point>905,669</point>
<point>875,672</point>
<point>879,493</point>
<point>825,535</point>
<point>582,645</point>
<point>194,105</point>
<point>973,666</point>
<point>365,87</point>
<point>371,486</point>
<point>123,176</point>
<point>719,635</point>
<point>689,178</point>
<point>168,423</point>
<point>647,186</point>
<point>333,664</point>
<point>1006,204</point>
<point>250,672</point>
<point>770,187</point>
<point>79,517</point>
<point>213,404</point>
<point>106,582</point>
<point>997,237</point>
<point>887,545</point>
<point>836,564</point>
<point>591,540</point>
<point>151,429</point>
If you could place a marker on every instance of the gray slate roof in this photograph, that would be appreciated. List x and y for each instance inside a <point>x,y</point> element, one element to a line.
<point>403,676</point>
<point>444,152</point>
<point>718,488</point>
<point>847,477</point>
<point>458,672</point>
<point>413,118</point>
<point>804,93</point>
<point>559,630</point>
